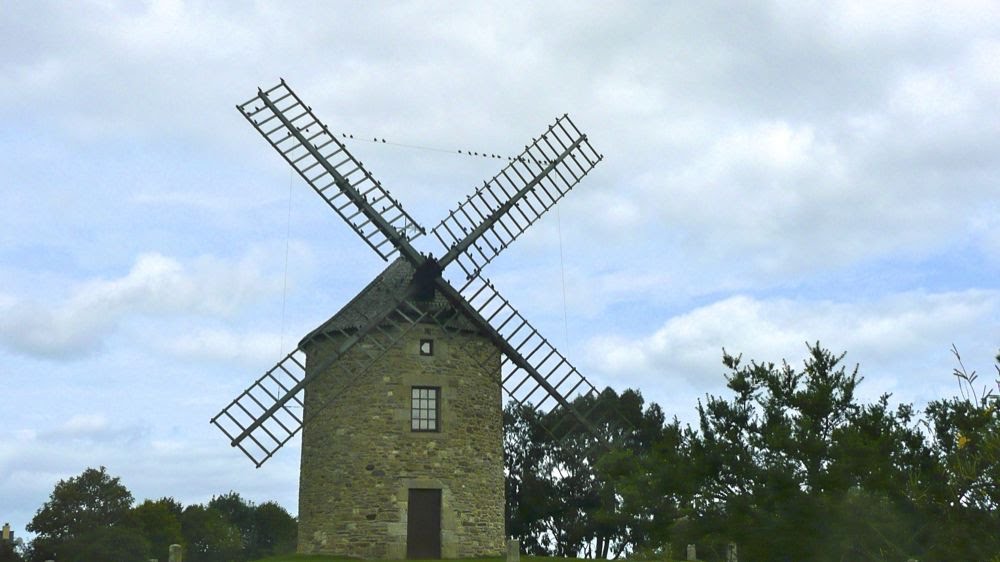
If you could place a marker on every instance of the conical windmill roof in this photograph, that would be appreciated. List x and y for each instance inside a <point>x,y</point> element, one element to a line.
<point>381,294</point>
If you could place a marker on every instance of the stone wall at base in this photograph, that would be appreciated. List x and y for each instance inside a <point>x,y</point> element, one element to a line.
<point>360,457</point>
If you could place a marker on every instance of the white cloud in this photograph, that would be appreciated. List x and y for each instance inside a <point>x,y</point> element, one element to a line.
<point>223,345</point>
<point>82,424</point>
<point>149,466</point>
<point>772,191</point>
<point>889,338</point>
<point>930,96</point>
<point>92,429</point>
<point>156,285</point>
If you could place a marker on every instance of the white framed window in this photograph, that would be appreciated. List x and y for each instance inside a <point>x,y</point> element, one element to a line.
<point>425,408</point>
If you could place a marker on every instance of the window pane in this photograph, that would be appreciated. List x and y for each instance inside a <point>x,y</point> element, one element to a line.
<point>424,408</point>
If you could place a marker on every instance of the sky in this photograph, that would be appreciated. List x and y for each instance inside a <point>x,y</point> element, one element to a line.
<point>774,173</point>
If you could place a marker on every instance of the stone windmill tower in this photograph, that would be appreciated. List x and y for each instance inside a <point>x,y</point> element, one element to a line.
<point>398,395</point>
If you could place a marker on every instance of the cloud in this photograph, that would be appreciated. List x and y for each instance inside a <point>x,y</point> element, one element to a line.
<point>151,463</point>
<point>751,152</point>
<point>92,429</point>
<point>803,138</point>
<point>224,345</point>
<point>792,200</point>
<point>83,424</point>
<point>888,337</point>
<point>156,285</point>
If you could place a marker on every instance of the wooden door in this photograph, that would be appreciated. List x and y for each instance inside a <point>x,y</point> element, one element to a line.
<point>423,524</point>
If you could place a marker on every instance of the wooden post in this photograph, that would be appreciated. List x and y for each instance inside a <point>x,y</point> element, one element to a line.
<point>692,554</point>
<point>175,553</point>
<point>731,553</point>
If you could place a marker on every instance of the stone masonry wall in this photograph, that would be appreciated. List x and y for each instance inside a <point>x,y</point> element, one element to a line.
<point>360,458</point>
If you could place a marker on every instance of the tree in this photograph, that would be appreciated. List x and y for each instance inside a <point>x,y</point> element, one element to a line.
<point>962,495</point>
<point>239,513</point>
<point>78,506</point>
<point>595,472</point>
<point>565,487</point>
<point>11,551</point>
<point>879,459</point>
<point>89,518</point>
<point>118,543</point>
<point>159,522</point>
<point>790,466</point>
<point>655,483</point>
<point>209,536</point>
<point>530,490</point>
<point>778,459</point>
<point>265,529</point>
<point>276,531</point>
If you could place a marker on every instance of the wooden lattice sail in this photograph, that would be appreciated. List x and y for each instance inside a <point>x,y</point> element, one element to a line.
<point>364,358</point>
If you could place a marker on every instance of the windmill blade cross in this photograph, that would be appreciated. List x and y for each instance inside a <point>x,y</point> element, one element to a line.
<point>266,415</point>
<point>504,207</point>
<point>292,129</point>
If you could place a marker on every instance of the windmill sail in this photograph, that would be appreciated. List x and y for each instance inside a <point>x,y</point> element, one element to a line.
<point>499,211</point>
<point>324,163</point>
<point>271,411</point>
<point>538,375</point>
<point>267,415</point>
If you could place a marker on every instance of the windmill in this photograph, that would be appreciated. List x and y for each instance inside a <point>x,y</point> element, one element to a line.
<point>398,395</point>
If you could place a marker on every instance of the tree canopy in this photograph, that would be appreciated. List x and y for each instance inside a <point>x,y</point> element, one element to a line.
<point>92,499</point>
<point>81,510</point>
<point>789,465</point>
<point>91,517</point>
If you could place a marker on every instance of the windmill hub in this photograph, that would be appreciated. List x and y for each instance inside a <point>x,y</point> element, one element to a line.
<point>424,279</point>
<point>398,395</point>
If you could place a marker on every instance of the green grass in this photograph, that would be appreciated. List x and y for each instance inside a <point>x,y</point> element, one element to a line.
<point>322,558</point>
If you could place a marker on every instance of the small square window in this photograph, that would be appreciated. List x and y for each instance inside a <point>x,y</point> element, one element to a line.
<point>427,347</point>
<point>424,404</point>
